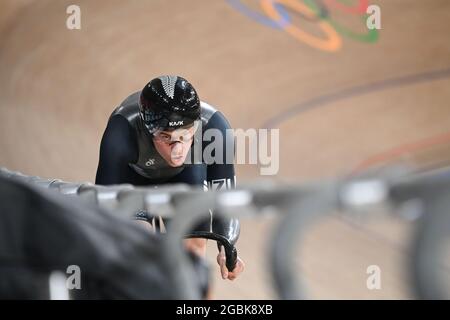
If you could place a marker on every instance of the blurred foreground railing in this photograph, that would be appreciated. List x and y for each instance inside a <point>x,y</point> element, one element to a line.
<point>298,208</point>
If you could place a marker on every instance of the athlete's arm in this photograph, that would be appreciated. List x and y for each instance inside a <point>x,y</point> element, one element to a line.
<point>118,148</point>
<point>221,175</point>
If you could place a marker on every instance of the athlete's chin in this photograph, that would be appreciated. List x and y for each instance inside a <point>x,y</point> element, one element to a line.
<point>176,162</point>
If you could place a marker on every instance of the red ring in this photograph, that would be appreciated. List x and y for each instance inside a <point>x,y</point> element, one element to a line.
<point>359,8</point>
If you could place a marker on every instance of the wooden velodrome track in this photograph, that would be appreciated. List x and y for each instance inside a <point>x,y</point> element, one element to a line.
<point>346,109</point>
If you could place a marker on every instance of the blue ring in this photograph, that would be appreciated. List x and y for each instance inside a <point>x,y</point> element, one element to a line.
<point>280,24</point>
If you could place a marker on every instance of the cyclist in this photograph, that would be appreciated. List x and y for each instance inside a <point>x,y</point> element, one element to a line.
<point>150,139</point>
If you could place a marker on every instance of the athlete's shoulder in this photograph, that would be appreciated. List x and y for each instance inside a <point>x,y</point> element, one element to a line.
<point>213,118</point>
<point>207,111</point>
<point>129,108</point>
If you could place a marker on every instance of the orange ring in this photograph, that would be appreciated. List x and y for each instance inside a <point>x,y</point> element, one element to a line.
<point>333,41</point>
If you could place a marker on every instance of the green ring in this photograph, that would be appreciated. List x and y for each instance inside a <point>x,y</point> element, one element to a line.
<point>371,37</point>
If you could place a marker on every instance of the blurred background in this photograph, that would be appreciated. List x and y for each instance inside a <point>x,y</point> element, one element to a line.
<point>345,99</point>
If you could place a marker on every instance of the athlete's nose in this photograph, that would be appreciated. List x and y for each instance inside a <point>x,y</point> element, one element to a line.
<point>176,146</point>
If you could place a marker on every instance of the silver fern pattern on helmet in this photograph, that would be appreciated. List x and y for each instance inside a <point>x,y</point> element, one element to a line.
<point>168,83</point>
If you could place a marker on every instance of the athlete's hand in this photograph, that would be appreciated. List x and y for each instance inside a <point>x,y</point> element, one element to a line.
<point>221,260</point>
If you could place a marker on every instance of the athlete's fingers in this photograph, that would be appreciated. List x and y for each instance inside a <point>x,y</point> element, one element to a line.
<point>240,266</point>
<point>221,260</point>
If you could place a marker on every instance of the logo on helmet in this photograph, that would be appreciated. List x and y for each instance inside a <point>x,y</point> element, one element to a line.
<point>176,123</point>
<point>168,83</point>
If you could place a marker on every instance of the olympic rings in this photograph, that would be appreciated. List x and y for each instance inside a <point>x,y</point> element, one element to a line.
<point>277,16</point>
<point>331,43</point>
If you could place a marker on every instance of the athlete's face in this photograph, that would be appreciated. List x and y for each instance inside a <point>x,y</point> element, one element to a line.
<point>174,145</point>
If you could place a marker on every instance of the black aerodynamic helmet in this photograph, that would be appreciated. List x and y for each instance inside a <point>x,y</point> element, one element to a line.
<point>169,102</point>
